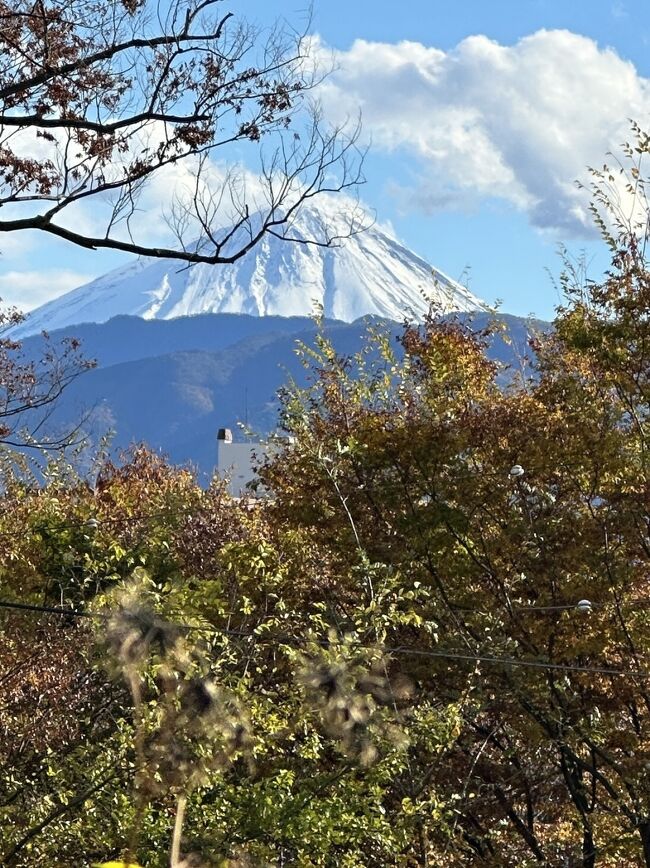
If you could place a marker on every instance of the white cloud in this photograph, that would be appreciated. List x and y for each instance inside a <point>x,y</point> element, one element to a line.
<point>148,225</point>
<point>175,187</point>
<point>520,123</point>
<point>177,199</point>
<point>28,289</point>
<point>15,245</point>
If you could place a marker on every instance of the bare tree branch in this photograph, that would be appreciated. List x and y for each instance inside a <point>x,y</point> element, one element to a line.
<point>31,384</point>
<point>97,98</point>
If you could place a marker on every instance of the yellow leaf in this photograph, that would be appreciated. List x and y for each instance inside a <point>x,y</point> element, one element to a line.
<point>116,865</point>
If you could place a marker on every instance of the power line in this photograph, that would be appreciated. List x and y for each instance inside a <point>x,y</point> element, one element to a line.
<point>513,661</point>
<point>284,639</point>
<point>50,610</point>
<point>582,606</point>
<point>92,524</point>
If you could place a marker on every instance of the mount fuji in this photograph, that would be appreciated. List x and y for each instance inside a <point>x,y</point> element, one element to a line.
<point>369,273</point>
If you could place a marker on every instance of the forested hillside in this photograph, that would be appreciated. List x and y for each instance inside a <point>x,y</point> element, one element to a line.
<point>173,384</point>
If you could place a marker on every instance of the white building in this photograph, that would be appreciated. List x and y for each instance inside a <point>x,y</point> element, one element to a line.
<point>235,461</point>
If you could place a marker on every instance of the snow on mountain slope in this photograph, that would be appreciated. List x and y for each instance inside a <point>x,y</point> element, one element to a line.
<point>369,273</point>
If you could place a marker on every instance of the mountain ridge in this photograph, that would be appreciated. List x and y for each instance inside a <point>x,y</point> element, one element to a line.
<point>206,372</point>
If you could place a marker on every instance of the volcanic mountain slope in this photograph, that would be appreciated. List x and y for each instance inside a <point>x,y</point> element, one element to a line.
<point>370,272</point>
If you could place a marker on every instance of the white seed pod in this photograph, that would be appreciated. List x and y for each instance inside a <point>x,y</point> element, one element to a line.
<point>516,470</point>
<point>584,606</point>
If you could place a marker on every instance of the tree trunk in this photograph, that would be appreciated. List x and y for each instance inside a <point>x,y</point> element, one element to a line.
<point>644,831</point>
<point>588,849</point>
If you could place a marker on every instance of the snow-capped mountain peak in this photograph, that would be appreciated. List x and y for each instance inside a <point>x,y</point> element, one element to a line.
<point>368,273</point>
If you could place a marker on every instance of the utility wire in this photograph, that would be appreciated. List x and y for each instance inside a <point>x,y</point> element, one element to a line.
<point>283,639</point>
<point>50,610</point>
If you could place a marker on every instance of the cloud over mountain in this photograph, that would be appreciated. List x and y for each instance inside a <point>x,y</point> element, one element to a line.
<point>519,123</point>
<point>29,289</point>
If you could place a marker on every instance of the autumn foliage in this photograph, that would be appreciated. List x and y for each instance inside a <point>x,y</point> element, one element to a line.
<point>426,644</point>
<point>30,385</point>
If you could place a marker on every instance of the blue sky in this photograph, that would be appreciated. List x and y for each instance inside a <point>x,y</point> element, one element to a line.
<point>480,123</point>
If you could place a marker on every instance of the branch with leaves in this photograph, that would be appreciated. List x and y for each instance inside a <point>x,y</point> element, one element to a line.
<point>99,99</point>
